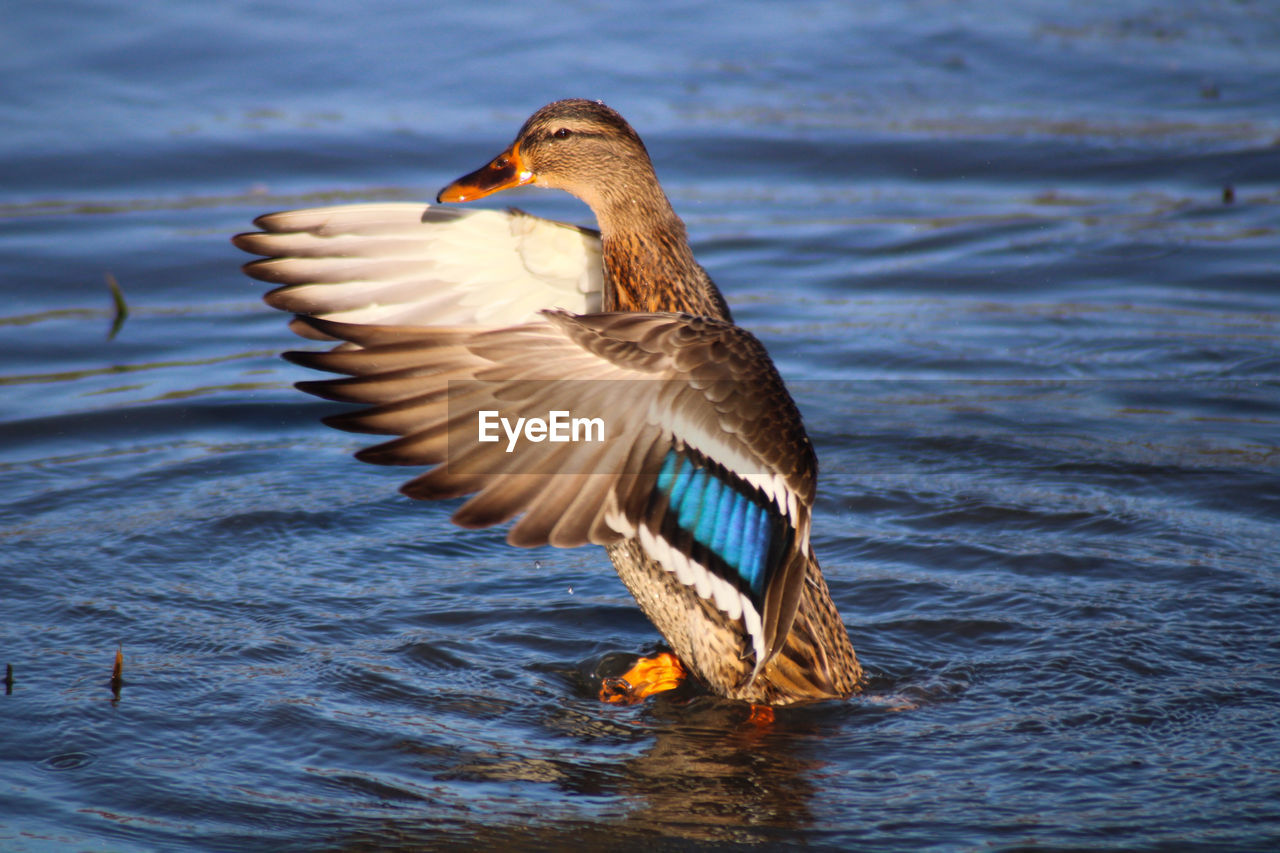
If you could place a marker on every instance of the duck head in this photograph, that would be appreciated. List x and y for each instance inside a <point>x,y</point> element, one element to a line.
<point>575,145</point>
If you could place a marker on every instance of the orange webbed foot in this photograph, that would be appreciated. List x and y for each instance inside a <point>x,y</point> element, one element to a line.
<point>761,717</point>
<point>649,676</point>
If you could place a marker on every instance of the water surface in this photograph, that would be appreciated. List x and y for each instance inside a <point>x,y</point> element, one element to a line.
<point>1019,267</point>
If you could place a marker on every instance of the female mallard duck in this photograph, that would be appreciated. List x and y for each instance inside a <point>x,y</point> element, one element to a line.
<point>700,481</point>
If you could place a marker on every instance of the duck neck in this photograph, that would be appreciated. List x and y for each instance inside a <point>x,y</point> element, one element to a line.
<point>648,263</point>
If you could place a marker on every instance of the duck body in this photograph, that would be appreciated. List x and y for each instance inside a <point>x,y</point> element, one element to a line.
<point>702,494</point>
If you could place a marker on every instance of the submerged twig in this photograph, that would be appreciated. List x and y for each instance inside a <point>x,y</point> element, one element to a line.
<point>117,672</point>
<point>121,307</point>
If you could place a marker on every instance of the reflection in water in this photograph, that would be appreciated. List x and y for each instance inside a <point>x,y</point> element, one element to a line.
<point>713,774</point>
<point>706,774</point>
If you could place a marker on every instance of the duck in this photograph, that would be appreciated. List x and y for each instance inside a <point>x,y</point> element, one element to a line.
<point>692,468</point>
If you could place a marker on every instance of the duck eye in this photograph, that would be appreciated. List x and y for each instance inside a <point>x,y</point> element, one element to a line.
<point>563,133</point>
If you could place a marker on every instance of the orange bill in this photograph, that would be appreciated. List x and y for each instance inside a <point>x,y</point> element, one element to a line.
<point>505,171</point>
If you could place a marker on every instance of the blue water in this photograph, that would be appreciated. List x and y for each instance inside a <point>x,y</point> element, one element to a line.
<point>1020,266</point>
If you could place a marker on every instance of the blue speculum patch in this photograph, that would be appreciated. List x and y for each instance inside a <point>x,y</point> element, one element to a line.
<point>723,515</point>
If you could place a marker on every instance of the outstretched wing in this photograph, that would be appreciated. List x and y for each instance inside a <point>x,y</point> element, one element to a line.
<point>701,455</point>
<point>416,264</point>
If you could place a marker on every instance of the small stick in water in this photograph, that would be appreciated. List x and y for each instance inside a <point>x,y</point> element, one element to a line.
<point>121,307</point>
<point>8,679</point>
<point>117,671</point>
